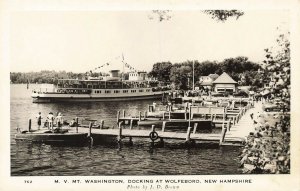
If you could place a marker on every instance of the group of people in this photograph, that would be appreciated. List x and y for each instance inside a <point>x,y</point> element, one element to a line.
<point>50,120</point>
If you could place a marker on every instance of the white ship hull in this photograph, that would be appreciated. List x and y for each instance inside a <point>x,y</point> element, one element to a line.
<point>58,97</point>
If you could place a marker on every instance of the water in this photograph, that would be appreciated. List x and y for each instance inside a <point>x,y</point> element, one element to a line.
<point>140,159</point>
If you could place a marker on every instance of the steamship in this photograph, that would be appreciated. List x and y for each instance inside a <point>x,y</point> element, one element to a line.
<point>108,88</point>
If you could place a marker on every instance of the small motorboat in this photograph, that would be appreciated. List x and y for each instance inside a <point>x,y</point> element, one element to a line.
<point>56,136</point>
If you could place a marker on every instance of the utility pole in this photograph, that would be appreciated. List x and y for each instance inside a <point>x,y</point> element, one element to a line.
<point>193,76</point>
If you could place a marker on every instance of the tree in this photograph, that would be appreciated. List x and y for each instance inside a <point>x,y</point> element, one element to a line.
<point>219,15</point>
<point>161,71</point>
<point>277,68</point>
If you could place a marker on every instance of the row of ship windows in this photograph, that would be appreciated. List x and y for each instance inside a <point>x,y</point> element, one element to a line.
<point>119,91</point>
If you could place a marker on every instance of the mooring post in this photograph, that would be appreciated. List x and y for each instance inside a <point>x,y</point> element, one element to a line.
<point>130,141</point>
<point>223,135</point>
<point>188,134</point>
<point>190,116</point>
<point>101,124</point>
<point>153,128</point>
<point>163,126</point>
<point>90,129</point>
<point>195,127</point>
<point>140,115</point>
<point>131,122</point>
<point>76,121</point>
<point>223,123</point>
<point>29,125</point>
<point>118,116</point>
<point>229,124</point>
<point>123,113</point>
<point>120,132</point>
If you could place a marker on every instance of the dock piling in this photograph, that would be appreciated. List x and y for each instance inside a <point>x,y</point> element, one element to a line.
<point>223,135</point>
<point>153,128</point>
<point>130,141</point>
<point>140,115</point>
<point>118,116</point>
<point>131,122</point>
<point>188,134</point>
<point>90,129</point>
<point>29,125</point>
<point>163,126</point>
<point>120,132</point>
<point>101,124</point>
<point>76,121</point>
<point>195,128</point>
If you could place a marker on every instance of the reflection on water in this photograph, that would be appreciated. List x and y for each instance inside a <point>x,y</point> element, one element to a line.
<point>139,159</point>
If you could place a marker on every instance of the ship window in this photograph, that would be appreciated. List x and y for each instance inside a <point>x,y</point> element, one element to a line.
<point>147,90</point>
<point>132,91</point>
<point>107,91</point>
<point>141,90</point>
<point>116,91</point>
<point>125,91</point>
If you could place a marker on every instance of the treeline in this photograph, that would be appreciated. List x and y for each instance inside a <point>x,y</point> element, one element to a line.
<point>46,76</point>
<point>180,74</point>
<point>240,69</point>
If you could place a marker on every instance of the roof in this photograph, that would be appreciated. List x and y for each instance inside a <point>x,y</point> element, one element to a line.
<point>224,79</point>
<point>206,83</point>
<point>213,76</point>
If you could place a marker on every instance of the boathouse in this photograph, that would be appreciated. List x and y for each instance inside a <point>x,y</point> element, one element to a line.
<point>224,83</point>
<point>207,81</point>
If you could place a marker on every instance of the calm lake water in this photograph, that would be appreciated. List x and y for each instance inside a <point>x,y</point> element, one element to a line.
<point>140,159</point>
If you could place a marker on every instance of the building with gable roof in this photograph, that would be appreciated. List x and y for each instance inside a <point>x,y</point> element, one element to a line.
<point>207,81</point>
<point>224,83</point>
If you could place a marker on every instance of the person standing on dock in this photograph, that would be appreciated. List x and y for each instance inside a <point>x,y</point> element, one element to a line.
<point>154,105</point>
<point>50,119</point>
<point>59,120</point>
<point>39,120</point>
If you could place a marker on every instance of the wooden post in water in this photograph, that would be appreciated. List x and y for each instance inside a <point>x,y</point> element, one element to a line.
<point>188,134</point>
<point>153,128</point>
<point>90,129</point>
<point>120,132</point>
<point>195,128</point>
<point>101,124</point>
<point>223,123</point>
<point>228,124</point>
<point>118,116</point>
<point>190,116</point>
<point>140,115</point>
<point>163,126</point>
<point>222,135</point>
<point>131,122</point>
<point>76,121</point>
<point>29,125</point>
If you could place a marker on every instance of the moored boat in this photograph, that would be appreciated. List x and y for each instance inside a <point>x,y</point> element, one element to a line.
<point>109,88</point>
<point>53,137</point>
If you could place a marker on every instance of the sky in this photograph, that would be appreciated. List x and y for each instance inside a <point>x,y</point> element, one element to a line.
<point>80,41</point>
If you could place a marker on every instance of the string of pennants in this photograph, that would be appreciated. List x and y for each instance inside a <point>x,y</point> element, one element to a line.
<point>107,64</point>
<point>130,67</point>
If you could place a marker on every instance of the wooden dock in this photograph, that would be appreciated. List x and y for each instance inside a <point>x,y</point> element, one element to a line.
<point>234,133</point>
<point>233,136</point>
